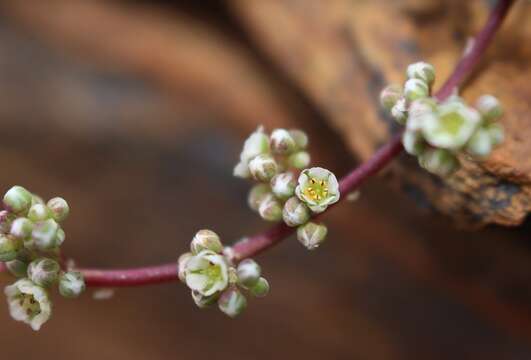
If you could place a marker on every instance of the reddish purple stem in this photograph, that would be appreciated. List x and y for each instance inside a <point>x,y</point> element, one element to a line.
<point>263,241</point>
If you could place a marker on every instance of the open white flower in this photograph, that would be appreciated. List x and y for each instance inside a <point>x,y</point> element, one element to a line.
<point>28,303</point>
<point>256,144</point>
<point>451,126</point>
<point>207,273</point>
<point>317,188</point>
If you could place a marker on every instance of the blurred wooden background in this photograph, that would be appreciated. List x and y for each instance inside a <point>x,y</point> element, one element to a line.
<point>135,112</point>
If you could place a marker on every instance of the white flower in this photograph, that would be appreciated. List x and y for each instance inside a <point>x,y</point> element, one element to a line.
<point>451,126</point>
<point>317,188</point>
<point>28,303</point>
<point>207,273</point>
<point>256,144</point>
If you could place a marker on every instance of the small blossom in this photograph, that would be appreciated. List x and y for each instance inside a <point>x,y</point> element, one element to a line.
<point>257,194</point>
<point>283,185</point>
<point>71,284</point>
<point>261,288</point>
<point>263,167</point>
<point>206,240</point>
<point>311,235</point>
<point>295,212</point>
<point>28,303</point>
<point>43,271</point>
<point>281,142</point>
<point>423,71</point>
<point>17,199</point>
<point>232,302</point>
<point>452,126</point>
<point>207,273</point>
<point>39,212</point>
<point>299,160</point>
<point>270,209</point>
<point>59,208</point>
<point>489,107</point>
<point>317,188</point>
<point>415,89</point>
<point>300,138</point>
<point>390,95</point>
<point>248,273</point>
<point>9,247</point>
<point>439,161</point>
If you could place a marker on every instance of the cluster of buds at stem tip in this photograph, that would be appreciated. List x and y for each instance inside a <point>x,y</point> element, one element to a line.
<point>287,190</point>
<point>437,132</point>
<point>30,241</point>
<point>213,278</point>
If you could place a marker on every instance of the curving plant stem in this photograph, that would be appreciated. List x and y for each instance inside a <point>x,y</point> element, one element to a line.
<point>260,242</point>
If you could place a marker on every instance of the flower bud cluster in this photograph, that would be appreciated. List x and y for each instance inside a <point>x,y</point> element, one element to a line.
<point>213,278</point>
<point>30,241</point>
<point>436,132</point>
<point>284,192</point>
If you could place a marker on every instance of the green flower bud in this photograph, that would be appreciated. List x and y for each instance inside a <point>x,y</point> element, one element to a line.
<point>28,303</point>
<point>44,234</point>
<point>399,111</point>
<point>390,95</point>
<point>281,142</point>
<point>311,235</point>
<point>256,144</point>
<point>300,138</point>
<point>39,212</point>
<point>270,209</point>
<point>496,133</point>
<point>489,107</point>
<point>232,302</point>
<point>206,240</point>
<point>43,272</point>
<point>263,167</point>
<point>422,71</point>
<point>257,194</point>
<point>415,89</point>
<point>295,212</point>
<point>71,284</point>
<point>299,160</point>
<point>203,301</point>
<point>452,126</point>
<point>261,288</point>
<point>480,144</point>
<point>59,208</point>
<point>439,161</point>
<point>9,247</point>
<point>413,142</point>
<point>17,268</point>
<point>17,199</point>
<point>317,188</point>
<point>283,185</point>
<point>248,272</point>
<point>21,228</point>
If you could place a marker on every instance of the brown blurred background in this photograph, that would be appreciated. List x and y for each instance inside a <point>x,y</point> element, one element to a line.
<point>135,112</point>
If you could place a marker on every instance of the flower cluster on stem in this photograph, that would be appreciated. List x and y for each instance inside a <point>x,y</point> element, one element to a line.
<point>438,131</point>
<point>284,192</point>
<point>30,241</point>
<point>213,278</point>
